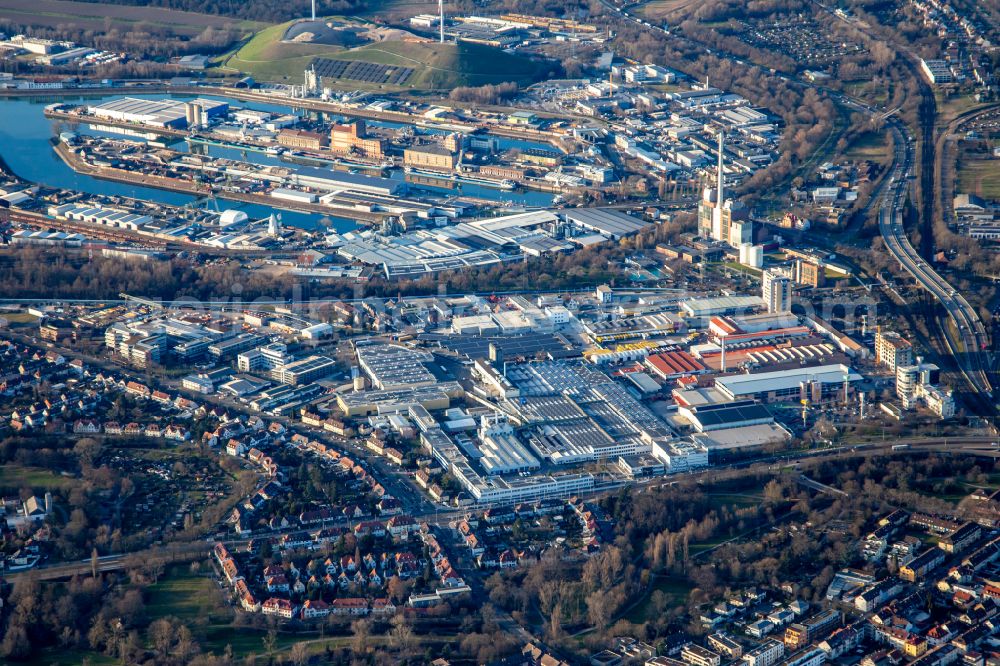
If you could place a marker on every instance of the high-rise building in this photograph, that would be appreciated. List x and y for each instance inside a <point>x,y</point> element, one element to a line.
<point>777,291</point>
<point>917,383</point>
<point>892,350</point>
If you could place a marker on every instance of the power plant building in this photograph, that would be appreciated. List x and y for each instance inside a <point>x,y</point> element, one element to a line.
<point>720,219</point>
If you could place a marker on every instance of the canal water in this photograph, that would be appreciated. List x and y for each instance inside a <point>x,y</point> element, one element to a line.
<point>24,144</point>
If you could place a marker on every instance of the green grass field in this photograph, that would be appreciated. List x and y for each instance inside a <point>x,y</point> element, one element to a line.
<point>981,177</point>
<point>868,146</point>
<point>734,499</point>
<point>13,477</point>
<point>664,9</point>
<point>267,58</point>
<point>191,598</point>
<point>64,657</point>
<point>438,66</point>
<point>181,594</point>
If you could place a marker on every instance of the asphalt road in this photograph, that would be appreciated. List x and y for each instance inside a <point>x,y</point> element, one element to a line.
<point>973,340</point>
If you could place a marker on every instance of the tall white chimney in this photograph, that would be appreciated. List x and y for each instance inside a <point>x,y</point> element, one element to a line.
<point>314,9</point>
<point>441,19</point>
<point>719,191</point>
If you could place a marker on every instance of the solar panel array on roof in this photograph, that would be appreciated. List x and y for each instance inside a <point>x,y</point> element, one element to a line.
<point>357,70</point>
<point>724,414</point>
<point>474,346</point>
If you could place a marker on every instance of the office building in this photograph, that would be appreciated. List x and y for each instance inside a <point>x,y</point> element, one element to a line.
<point>264,358</point>
<point>892,350</point>
<point>303,371</point>
<point>937,71</point>
<point>918,383</point>
<point>777,291</point>
<point>909,379</point>
<point>232,346</point>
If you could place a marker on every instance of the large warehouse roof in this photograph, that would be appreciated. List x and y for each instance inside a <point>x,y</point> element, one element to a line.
<point>763,382</point>
<point>606,221</point>
<point>338,180</point>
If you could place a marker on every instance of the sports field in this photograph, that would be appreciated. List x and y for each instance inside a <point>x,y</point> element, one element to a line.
<point>980,177</point>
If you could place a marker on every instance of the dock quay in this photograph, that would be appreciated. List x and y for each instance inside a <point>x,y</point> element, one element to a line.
<point>175,185</point>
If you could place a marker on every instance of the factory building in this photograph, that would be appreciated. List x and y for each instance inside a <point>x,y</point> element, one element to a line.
<point>821,384</point>
<point>722,219</point>
<point>163,113</point>
<point>327,180</point>
<point>393,367</point>
<point>433,156</point>
<point>304,139</point>
<point>501,452</point>
<point>353,137</point>
<point>809,273</point>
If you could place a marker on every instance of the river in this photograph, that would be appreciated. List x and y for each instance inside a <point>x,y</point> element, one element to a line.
<point>24,144</point>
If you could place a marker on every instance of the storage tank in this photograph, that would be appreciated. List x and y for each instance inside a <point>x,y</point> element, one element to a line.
<point>230,217</point>
<point>752,255</point>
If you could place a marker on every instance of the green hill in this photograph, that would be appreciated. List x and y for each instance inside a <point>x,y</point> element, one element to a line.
<point>445,66</point>
<point>267,58</point>
<point>436,66</point>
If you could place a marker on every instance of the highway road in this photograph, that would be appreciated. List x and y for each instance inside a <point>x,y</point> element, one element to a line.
<point>970,349</point>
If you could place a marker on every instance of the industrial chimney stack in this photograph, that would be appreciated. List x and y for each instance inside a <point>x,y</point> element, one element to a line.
<point>441,19</point>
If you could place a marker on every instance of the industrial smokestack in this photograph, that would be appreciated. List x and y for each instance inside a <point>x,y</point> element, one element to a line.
<point>441,19</point>
<point>720,188</point>
<point>314,9</point>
